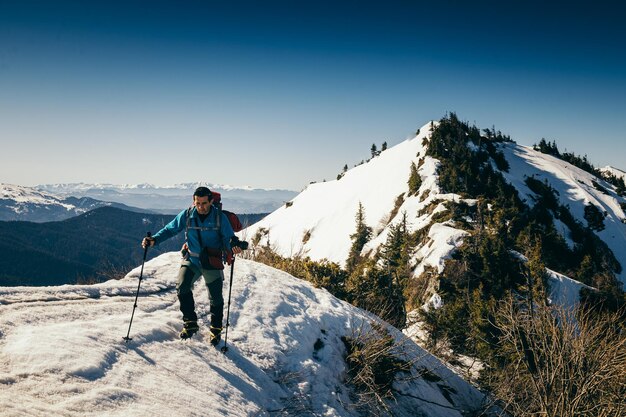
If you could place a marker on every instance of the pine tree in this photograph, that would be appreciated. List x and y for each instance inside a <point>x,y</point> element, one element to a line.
<point>586,271</point>
<point>536,272</point>
<point>620,187</point>
<point>374,150</point>
<point>415,181</point>
<point>594,217</point>
<point>373,289</point>
<point>360,237</point>
<point>384,147</point>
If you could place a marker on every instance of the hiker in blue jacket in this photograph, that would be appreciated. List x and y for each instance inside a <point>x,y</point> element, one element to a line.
<point>208,234</point>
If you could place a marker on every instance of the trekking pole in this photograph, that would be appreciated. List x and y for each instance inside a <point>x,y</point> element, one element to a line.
<point>230,290</point>
<point>145,252</point>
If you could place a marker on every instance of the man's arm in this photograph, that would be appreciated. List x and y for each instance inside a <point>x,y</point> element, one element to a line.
<point>171,229</point>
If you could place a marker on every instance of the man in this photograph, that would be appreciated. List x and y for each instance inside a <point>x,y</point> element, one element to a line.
<point>208,234</point>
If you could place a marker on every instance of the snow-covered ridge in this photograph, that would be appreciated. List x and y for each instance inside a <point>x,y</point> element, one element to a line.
<point>69,188</point>
<point>575,188</point>
<point>319,221</point>
<point>62,352</point>
<point>21,194</point>
<point>30,204</point>
<point>19,203</point>
<point>325,212</point>
<point>614,171</point>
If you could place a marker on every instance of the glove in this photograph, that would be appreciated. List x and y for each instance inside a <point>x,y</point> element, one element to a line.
<point>229,257</point>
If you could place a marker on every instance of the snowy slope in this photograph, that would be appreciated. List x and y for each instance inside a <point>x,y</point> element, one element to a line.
<point>21,195</point>
<point>575,189</point>
<point>19,203</point>
<point>320,220</point>
<point>29,204</point>
<point>61,352</point>
<point>614,171</point>
<point>325,212</point>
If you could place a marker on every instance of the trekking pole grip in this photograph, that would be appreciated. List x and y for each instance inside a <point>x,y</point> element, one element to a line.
<point>145,250</point>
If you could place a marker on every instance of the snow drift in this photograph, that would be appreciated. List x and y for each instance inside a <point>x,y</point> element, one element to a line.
<point>61,352</point>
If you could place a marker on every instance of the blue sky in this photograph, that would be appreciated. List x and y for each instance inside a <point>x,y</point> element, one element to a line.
<point>269,95</point>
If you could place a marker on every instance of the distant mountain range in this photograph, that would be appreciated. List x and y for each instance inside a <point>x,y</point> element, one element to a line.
<point>101,244</point>
<point>30,204</point>
<point>171,199</point>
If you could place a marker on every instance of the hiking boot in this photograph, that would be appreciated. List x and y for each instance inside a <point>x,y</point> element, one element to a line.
<point>189,329</point>
<point>215,335</point>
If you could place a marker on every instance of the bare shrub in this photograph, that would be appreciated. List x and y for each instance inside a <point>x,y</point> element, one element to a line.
<point>560,362</point>
<point>374,359</point>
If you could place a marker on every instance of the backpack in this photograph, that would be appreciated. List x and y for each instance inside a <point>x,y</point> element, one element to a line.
<point>232,217</point>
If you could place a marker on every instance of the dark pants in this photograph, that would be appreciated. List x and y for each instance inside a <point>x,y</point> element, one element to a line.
<point>187,276</point>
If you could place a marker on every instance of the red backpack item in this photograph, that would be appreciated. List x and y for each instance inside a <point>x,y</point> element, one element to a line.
<point>232,217</point>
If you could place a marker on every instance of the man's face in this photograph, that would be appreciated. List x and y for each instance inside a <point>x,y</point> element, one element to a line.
<point>203,204</point>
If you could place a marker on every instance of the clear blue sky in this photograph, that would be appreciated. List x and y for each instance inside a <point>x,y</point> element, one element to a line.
<point>272,95</point>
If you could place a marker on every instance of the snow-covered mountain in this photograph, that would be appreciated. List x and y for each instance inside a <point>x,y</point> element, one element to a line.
<point>614,171</point>
<point>319,221</point>
<point>325,212</point>
<point>62,353</point>
<point>575,189</point>
<point>31,204</point>
<point>171,199</point>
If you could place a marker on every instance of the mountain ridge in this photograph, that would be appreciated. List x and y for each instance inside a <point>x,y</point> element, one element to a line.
<point>19,203</point>
<point>170,199</point>
<point>324,212</point>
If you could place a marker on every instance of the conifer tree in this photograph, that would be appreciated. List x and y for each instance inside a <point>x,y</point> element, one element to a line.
<point>360,237</point>
<point>391,250</point>
<point>586,270</point>
<point>536,272</point>
<point>620,187</point>
<point>594,217</point>
<point>415,181</point>
<point>373,289</point>
<point>374,150</point>
<point>384,147</point>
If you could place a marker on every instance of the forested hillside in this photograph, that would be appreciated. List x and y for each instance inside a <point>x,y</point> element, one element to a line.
<point>93,247</point>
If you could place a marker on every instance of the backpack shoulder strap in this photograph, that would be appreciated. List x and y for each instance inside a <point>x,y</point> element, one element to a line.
<point>218,220</point>
<point>188,221</point>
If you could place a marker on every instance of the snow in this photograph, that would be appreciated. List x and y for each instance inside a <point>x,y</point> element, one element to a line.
<point>615,171</point>
<point>443,241</point>
<point>172,198</point>
<point>575,189</point>
<point>72,188</point>
<point>325,212</point>
<point>22,195</point>
<point>564,291</point>
<point>62,353</point>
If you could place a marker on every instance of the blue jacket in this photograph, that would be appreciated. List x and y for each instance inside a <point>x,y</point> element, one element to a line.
<point>212,237</point>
